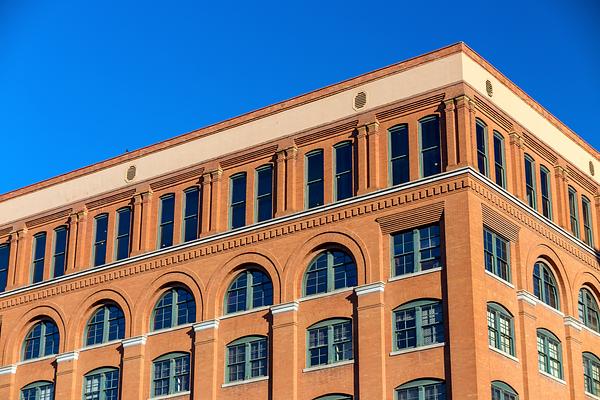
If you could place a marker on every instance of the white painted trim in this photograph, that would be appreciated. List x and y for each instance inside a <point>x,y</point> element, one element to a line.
<point>244,382</point>
<point>326,366</point>
<point>171,329</point>
<point>496,277</point>
<point>10,369</point>
<point>33,360</point>
<point>369,288</point>
<point>572,322</point>
<point>551,308</point>
<point>96,346</point>
<point>502,353</point>
<point>71,356</point>
<point>326,294</point>
<point>171,396</point>
<point>285,307</point>
<point>590,330</point>
<point>406,276</point>
<point>204,325</point>
<point>420,348</point>
<point>591,396</point>
<point>134,341</point>
<point>240,313</point>
<point>552,377</point>
<point>524,295</point>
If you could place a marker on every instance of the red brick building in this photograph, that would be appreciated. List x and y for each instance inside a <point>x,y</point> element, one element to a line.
<point>424,231</point>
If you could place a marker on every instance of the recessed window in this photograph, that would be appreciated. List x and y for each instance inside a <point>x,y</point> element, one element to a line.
<point>101,384</point>
<point>4,260</point>
<point>544,285</point>
<point>264,193</point>
<point>343,171</point>
<point>502,391</point>
<point>499,160</point>
<point>171,374</point>
<point>167,218</point>
<point>419,323</point>
<point>549,353</point>
<point>530,191</point>
<point>501,331</point>
<point>335,397</point>
<point>59,258</point>
<point>429,139</point>
<point>399,164</point>
<point>416,250</point>
<point>591,373</point>
<point>586,209</point>
<point>482,152</point>
<point>573,212</point>
<point>545,189</point>
<point>39,254</point>
<point>237,206</point>
<point>42,340</point>
<point>40,390</point>
<point>329,342</point>
<point>100,236</point>
<point>175,307</point>
<point>107,324</point>
<point>123,233</point>
<point>496,251</point>
<point>250,289</point>
<point>247,358</point>
<point>314,179</point>
<point>191,212</point>
<point>329,271</point>
<point>589,313</point>
<point>422,389</point>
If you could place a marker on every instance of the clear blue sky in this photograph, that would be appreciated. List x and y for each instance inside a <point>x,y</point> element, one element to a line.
<point>83,81</point>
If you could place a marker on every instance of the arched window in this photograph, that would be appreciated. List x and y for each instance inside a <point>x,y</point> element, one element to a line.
<point>501,329</point>
<point>42,340</point>
<point>335,397</point>
<point>329,271</point>
<point>549,353</point>
<point>418,323</point>
<point>107,324</point>
<point>499,160</point>
<point>247,358</point>
<point>399,165</point>
<point>40,390</point>
<point>502,391</point>
<point>250,289</point>
<point>171,374</point>
<point>422,389</point>
<point>175,307</point>
<point>429,141</point>
<point>329,342</point>
<point>482,146</point>
<point>544,285</point>
<point>101,384</point>
<point>589,313</point>
<point>591,373</point>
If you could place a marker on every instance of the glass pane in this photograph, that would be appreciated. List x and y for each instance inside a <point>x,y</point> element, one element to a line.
<point>315,194</point>
<point>60,248</point>
<point>238,215</point>
<point>265,181</point>
<point>265,208</point>
<point>238,188</point>
<point>314,169</point>
<point>4,260</point>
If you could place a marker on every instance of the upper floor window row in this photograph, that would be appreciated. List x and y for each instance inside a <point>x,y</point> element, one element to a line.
<point>41,267</point>
<point>483,153</point>
<point>263,196</point>
<point>121,247</point>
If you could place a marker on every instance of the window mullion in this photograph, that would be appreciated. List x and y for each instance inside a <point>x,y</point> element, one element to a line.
<point>330,272</point>
<point>247,360</point>
<point>419,326</point>
<point>330,349</point>
<point>42,351</point>
<point>417,249</point>
<point>105,324</point>
<point>249,297</point>
<point>174,310</point>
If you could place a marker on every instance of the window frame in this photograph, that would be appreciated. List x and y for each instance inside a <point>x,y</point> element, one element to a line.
<point>320,180</point>
<point>542,296</point>
<point>499,166</point>
<point>36,259</point>
<point>118,236</point>
<point>546,197</point>
<point>4,266</point>
<point>546,336</point>
<point>336,174</point>
<point>42,351</point>
<point>247,342</point>
<point>416,249</point>
<point>249,289</point>
<point>423,150</point>
<point>98,243</point>
<point>161,243</point>
<point>185,218</point>
<point>530,188</point>
<point>63,253</point>
<point>233,179</point>
<point>330,325</point>
<point>421,384</point>
<point>574,225</point>
<point>591,362</point>
<point>505,390</point>
<point>106,324</point>
<point>586,217</point>
<point>497,268</point>
<point>334,396</point>
<point>499,311</point>
<point>483,153</point>
<point>171,357</point>
<point>418,306</point>
<point>259,197</point>
<point>585,305</point>
<point>174,308</point>
<point>330,286</point>
<point>37,386</point>
<point>398,129</point>
<point>102,373</point>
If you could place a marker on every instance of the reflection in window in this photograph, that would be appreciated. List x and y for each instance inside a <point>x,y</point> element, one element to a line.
<point>499,160</point>
<point>107,324</point>
<point>175,307</point>
<point>247,359</point>
<point>329,271</point>
<point>101,384</point>
<point>419,323</point>
<point>496,254</point>
<point>416,250</point>
<point>42,340</point>
<point>250,289</point>
<point>171,374</point>
<point>330,342</point>
<point>544,285</point>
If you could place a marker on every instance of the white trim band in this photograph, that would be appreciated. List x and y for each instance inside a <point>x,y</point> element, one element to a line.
<point>524,295</point>
<point>134,341</point>
<point>11,369</point>
<point>369,288</point>
<point>244,382</point>
<point>204,325</point>
<point>72,356</point>
<point>285,307</point>
<point>572,322</point>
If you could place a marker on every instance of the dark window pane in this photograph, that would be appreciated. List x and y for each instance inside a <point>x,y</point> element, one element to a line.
<point>4,259</point>
<point>264,194</point>
<point>60,249</point>
<point>167,215</point>
<point>430,133</point>
<point>190,215</point>
<point>315,194</point>
<point>238,188</point>
<point>265,181</point>
<point>123,230</point>
<point>343,171</point>
<point>314,169</point>
<point>238,216</point>
<point>100,239</point>
<point>39,257</point>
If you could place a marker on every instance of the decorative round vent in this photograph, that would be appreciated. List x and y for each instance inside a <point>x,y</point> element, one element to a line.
<point>592,168</point>
<point>130,173</point>
<point>360,100</point>
<point>488,88</point>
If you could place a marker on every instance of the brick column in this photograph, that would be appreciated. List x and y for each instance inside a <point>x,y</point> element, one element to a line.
<point>11,279</point>
<point>284,354</point>
<point>362,163</point>
<point>596,220</point>
<point>463,123</point>
<point>572,358</point>
<point>216,217</point>
<point>8,389</point>
<point>561,208</point>
<point>147,222</point>
<point>371,330</point>
<point>133,373</point>
<point>22,265</point>
<point>374,156</point>
<point>451,145</point>
<point>66,376</point>
<point>205,382</point>
<point>71,244</point>
<point>291,162</point>
<point>517,153</point>
<point>206,203</point>
<point>528,341</point>
<point>82,259</point>
<point>280,186</point>
<point>136,224</point>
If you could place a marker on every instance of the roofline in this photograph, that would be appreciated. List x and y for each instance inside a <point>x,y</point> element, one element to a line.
<point>299,101</point>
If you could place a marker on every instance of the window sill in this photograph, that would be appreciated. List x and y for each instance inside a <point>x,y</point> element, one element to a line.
<point>496,277</point>
<point>33,360</point>
<point>96,346</point>
<point>245,382</point>
<point>414,274</point>
<point>550,308</point>
<point>332,293</point>
<point>509,356</point>
<point>240,313</point>
<point>327,366</point>
<point>171,396</point>
<point>591,396</point>
<point>590,330</point>
<point>553,378</point>
<point>420,348</point>
<point>166,330</point>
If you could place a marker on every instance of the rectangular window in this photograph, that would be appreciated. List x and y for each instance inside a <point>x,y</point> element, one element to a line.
<point>264,193</point>
<point>191,214</point>
<point>4,259</point>
<point>416,250</point>
<point>545,189</point>
<point>123,232</point>
<point>314,179</point>
<point>573,212</point>
<point>482,157</point>
<point>496,254</point>
<point>59,258</point>
<point>343,171</point>
<point>238,201</point>
<point>586,210</point>
<point>431,157</point>
<point>399,166</point>
<point>39,253</point>
<point>101,234</point>
<point>167,218</point>
<point>499,160</point>
<point>530,182</point>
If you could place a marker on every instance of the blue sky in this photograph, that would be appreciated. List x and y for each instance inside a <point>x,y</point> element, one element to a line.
<point>83,81</point>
